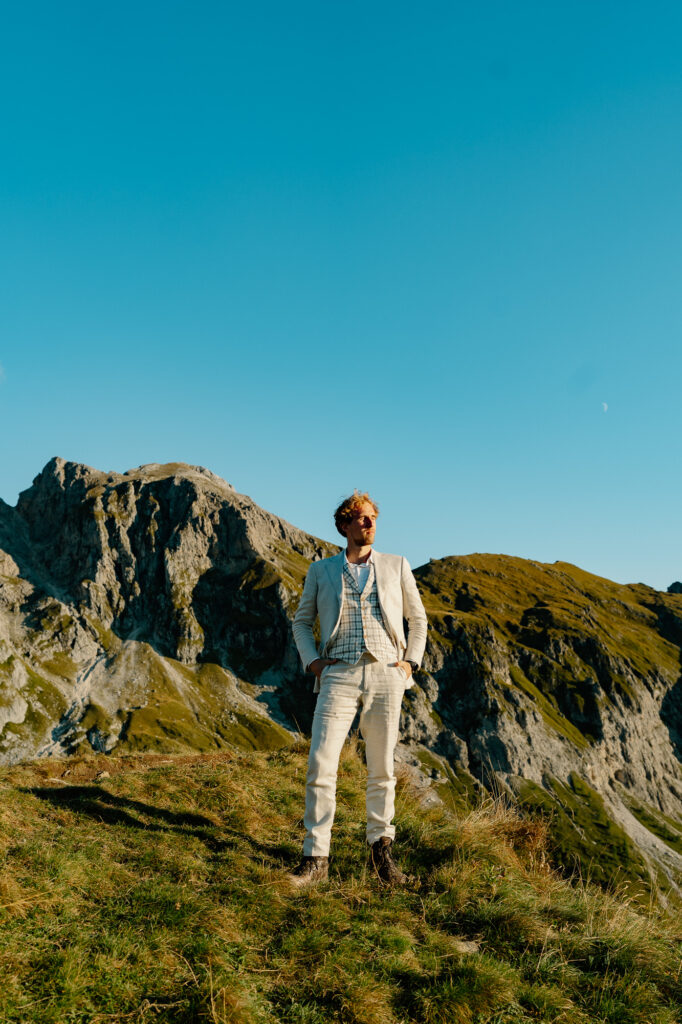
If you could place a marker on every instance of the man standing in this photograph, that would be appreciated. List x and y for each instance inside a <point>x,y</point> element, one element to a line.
<point>365,661</point>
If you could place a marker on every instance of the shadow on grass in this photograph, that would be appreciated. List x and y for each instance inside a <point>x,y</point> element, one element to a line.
<point>105,807</point>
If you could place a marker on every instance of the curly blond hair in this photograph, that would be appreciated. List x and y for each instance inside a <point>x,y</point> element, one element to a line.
<point>349,506</point>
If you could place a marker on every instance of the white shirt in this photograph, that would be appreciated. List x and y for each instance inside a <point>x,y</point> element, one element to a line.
<point>360,570</point>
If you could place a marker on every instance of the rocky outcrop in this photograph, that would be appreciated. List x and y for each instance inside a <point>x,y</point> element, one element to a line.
<point>118,591</point>
<point>152,610</point>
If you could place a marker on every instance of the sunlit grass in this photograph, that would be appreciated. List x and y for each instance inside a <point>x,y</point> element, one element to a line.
<point>159,894</point>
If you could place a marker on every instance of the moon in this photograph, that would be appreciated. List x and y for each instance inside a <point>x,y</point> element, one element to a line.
<point>605,407</point>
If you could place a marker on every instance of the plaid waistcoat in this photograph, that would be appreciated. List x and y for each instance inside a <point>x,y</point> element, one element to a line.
<point>361,627</point>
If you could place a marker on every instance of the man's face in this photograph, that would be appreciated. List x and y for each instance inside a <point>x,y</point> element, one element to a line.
<point>362,527</point>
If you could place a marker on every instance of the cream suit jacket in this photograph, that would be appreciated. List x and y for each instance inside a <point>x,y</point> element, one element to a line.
<point>398,597</point>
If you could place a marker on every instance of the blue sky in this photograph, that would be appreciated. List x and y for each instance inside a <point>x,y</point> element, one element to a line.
<point>428,250</point>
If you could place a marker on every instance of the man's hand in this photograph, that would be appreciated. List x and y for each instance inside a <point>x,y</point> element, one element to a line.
<point>406,667</point>
<point>317,666</point>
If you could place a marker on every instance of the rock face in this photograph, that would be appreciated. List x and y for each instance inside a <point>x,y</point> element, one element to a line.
<point>151,610</point>
<point>136,609</point>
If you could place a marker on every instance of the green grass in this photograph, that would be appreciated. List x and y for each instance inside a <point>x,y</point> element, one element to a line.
<point>45,703</point>
<point>666,828</point>
<point>159,894</point>
<point>458,789</point>
<point>572,604</point>
<point>584,838</point>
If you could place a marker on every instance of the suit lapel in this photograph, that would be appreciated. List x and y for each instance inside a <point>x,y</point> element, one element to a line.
<point>334,568</point>
<point>379,574</point>
<point>382,575</point>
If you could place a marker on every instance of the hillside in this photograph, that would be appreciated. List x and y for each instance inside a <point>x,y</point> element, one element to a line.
<point>147,888</point>
<point>565,689</point>
<point>151,611</point>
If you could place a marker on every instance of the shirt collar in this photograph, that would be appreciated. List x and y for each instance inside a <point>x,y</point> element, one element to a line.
<point>359,565</point>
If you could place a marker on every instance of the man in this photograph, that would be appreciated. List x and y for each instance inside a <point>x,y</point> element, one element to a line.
<point>365,661</point>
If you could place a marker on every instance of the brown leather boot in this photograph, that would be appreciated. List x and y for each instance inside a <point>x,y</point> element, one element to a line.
<point>310,871</point>
<point>381,861</point>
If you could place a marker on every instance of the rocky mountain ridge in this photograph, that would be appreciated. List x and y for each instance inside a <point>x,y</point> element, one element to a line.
<point>151,610</point>
<point>137,607</point>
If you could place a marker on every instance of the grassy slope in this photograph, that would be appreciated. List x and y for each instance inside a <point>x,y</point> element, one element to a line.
<point>542,616</point>
<point>157,894</point>
<point>583,837</point>
<point>496,590</point>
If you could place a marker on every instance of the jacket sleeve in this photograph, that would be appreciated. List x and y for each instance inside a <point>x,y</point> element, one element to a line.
<point>413,611</point>
<point>304,620</point>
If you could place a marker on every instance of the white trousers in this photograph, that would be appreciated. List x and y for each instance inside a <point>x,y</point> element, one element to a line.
<point>377,689</point>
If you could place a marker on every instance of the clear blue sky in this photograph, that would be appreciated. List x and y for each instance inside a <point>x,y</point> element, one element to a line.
<point>432,250</point>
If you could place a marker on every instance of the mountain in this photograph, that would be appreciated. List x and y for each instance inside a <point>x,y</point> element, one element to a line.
<point>137,610</point>
<point>151,610</point>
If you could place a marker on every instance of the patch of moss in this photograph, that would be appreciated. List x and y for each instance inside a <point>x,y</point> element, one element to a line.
<point>95,717</point>
<point>253,733</point>
<point>435,717</point>
<point>106,637</point>
<point>38,690</point>
<point>292,566</point>
<point>260,576</point>
<point>159,472</point>
<point>55,620</point>
<point>7,666</point>
<point>172,727</point>
<point>459,791</point>
<point>60,664</point>
<point>11,579</point>
<point>46,705</point>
